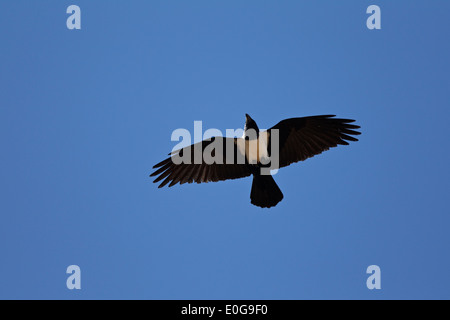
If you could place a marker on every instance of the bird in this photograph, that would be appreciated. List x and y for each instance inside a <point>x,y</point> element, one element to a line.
<point>293,139</point>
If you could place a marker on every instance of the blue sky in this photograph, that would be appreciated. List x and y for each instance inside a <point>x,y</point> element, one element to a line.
<point>85,114</point>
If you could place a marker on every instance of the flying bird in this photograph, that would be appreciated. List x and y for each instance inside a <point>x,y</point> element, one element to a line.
<point>294,139</point>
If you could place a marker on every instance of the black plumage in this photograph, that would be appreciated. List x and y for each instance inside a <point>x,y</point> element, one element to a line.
<point>298,140</point>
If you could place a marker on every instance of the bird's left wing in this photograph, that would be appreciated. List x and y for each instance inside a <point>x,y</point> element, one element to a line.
<point>214,159</point>
<point>303,138</point>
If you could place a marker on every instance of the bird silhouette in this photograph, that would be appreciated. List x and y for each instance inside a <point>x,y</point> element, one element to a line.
<point>256,153</point>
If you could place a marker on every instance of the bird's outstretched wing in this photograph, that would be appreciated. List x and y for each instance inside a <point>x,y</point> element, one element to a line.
<point>226,161</point>
<point>303,138</point>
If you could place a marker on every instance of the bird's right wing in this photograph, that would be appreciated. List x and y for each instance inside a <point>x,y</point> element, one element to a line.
<point>213,159</point>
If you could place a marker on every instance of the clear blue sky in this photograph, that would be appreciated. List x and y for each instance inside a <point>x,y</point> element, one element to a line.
<point>85,114</point>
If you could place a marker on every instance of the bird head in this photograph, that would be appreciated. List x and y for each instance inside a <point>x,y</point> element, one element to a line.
<point>250,124</point>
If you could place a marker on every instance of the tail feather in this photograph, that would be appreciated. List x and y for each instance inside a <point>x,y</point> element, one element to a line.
<point>265,192</point>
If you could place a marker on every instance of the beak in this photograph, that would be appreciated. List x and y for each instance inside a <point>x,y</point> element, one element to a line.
<point>247,117</point>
